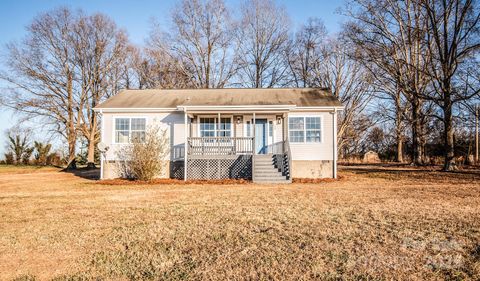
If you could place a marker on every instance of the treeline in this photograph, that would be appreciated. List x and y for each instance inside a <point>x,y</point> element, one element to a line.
<point>21,151</point>
<point>407,68</point>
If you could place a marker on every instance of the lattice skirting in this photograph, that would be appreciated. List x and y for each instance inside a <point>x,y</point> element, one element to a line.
<point>176,169</point>
<point>227,167</point>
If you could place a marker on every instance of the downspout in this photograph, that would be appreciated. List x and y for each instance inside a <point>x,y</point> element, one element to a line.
<point>185,157</point>
<point>102,157</point>
<point>254,147</point>
<point>335,143</point>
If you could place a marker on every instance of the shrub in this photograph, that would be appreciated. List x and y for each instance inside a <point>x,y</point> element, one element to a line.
<point>9,158</point>
<point>144,159</point>
<point>41,152</point>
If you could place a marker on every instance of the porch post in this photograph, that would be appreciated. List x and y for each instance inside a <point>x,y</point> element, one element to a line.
<point>185,157</point>
<point>283,133</point>
<point>254,129</point>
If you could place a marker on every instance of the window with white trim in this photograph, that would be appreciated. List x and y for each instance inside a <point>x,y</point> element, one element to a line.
<point>224,128</point>
<point>207,127</point>
<point>210,128</point>
<point>129,130</point>
<point>304,129</point>
<point>313,129</point>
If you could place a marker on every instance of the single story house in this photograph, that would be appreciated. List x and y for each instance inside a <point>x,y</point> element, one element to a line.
<point>268,135</point>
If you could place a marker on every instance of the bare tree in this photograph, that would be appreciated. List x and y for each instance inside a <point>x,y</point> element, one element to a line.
<point>304,52</point>
<point>263,38</point>
<point>453,38</point>
<point>156,66</point>
<point>390,35</point>
<point>99,49</point>
<point>201,42</point>
<point>41,75</point>
<point>348,80</point>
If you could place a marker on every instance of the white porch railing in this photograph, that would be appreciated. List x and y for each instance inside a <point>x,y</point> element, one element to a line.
<point>220,145</point>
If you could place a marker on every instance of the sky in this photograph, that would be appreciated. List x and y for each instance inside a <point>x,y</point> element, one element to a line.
<point>135,16</point>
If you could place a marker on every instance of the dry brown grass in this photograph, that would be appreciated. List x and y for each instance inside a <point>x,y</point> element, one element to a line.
<point>374,223</point>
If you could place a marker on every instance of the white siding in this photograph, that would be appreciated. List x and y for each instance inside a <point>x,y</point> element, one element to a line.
<point>315,151</point>
<point>172,122</point>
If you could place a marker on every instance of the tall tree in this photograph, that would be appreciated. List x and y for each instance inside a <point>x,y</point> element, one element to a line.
<point>100,50</point>
<point>390,35</point>
<point>201,41</point>
<point>41,75</point>
<point>348,80</point>
<point>304,52</point>
<point>263,38</point>
<point>453,39</point>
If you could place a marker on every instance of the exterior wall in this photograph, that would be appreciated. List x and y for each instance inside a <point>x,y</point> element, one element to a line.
<point>309,160</point>
<point>315,160</point>
<point>172,122</point>
<point>315,151</point>
<point>312,169</point>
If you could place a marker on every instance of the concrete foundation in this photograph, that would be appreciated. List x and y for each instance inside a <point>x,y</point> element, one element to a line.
<point>312,169</point>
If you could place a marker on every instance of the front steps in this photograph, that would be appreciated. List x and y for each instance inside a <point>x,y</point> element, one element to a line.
<point>266,172</point>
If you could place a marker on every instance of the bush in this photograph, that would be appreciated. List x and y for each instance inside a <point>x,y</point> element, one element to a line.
<point>9,158</point>
<point>41,153</point>
<point>144,159</point>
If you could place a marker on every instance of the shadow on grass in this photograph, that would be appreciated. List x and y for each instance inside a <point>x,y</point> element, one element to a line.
<point>85,173</point>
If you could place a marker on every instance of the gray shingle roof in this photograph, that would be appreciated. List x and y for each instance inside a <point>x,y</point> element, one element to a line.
<point>157,98</point>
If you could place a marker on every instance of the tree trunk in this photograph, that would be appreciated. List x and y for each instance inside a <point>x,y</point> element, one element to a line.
<point>91,154</point>
<point>417,133</point>
<point>449,164</point>
<point>71,132</point>
<point>399,148</point>
<point>398,128</point>
<point>91,139</point>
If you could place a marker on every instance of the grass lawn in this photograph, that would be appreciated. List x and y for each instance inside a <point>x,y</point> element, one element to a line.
<point>373,223</point>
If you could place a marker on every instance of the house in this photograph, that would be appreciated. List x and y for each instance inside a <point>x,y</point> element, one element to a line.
<point>268,135</point>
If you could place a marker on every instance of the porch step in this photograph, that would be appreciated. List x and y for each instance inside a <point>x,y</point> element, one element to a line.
<point>266,172</point>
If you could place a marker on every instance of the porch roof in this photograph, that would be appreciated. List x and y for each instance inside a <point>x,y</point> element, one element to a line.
<point>181,98</point>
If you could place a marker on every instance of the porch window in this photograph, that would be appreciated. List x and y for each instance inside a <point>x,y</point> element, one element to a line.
<point>207,127</point>
<point>210,128</point>
<point>129,129</point>
<point>304,129</point>
<point>225,128</point>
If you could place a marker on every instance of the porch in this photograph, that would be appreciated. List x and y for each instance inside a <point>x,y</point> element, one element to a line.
<point>237,145</point>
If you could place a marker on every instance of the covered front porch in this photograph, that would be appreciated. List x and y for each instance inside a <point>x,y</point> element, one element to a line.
<point>237,145</point>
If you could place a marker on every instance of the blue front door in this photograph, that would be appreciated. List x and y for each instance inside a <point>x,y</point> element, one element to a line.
<point>261,136</point>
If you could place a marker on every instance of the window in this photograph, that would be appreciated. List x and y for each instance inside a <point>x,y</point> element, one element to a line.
<point>137,129</point>
<point>270,128</point>
<point>225,128</point>
<point>304,129</point>
<point>249,129</point>
<point>207,127</point>
<point>296,129</point>
<point>129,129</point>
<point>210,128</point>
<point>313,129</point>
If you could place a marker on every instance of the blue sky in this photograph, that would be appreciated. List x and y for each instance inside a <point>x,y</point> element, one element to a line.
<point>135,17</point>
